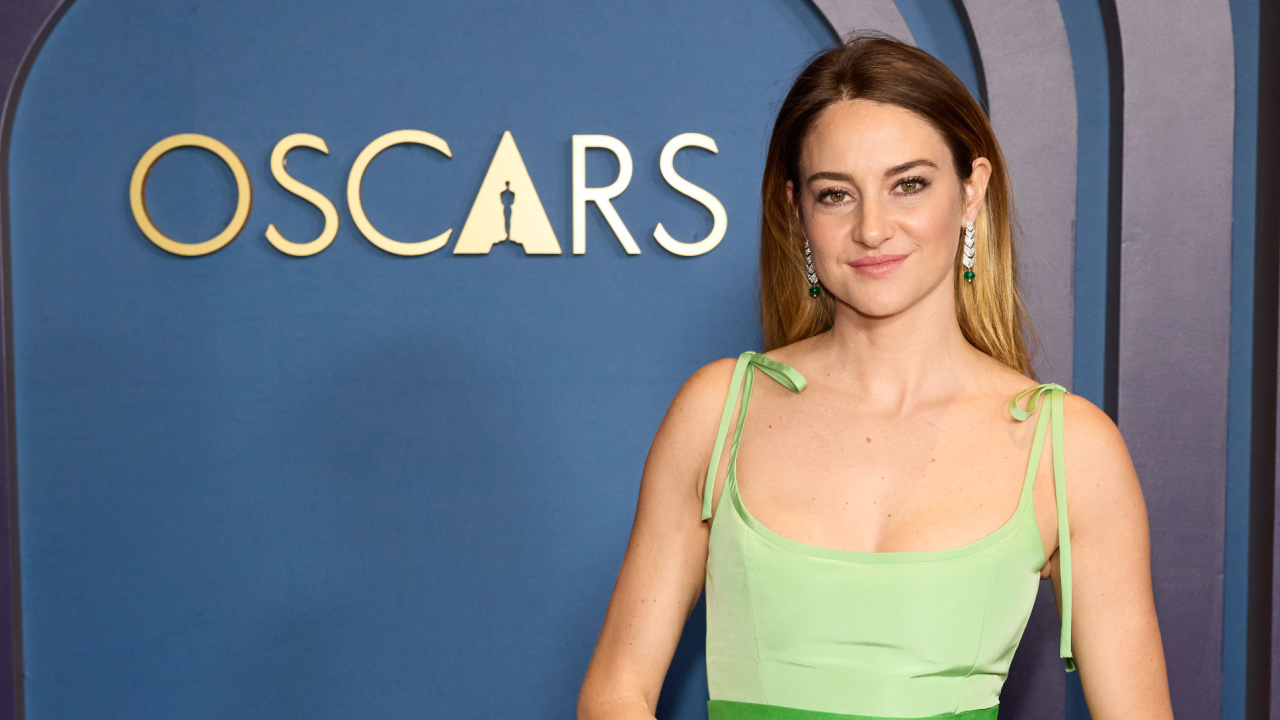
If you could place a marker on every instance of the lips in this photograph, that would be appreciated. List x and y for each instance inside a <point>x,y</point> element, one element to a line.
<point>876,260</point>
<point>877,266</point>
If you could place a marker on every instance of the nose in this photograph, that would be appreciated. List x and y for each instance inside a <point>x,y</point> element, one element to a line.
<point>874,225</point>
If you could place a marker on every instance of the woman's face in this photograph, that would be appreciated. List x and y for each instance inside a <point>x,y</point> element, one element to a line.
<point>882,206</point>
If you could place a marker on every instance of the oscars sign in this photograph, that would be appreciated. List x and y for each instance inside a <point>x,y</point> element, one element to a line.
<point>506,208</point>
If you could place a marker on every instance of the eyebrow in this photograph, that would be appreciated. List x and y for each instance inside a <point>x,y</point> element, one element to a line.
<point>908,165</point>
<point>844,177</point>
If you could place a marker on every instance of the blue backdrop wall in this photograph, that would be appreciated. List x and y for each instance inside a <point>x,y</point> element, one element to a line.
<point>359,484</point>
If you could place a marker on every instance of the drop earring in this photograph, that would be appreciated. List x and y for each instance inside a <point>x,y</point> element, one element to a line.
<point>967,260</point>
<point>814,290</point>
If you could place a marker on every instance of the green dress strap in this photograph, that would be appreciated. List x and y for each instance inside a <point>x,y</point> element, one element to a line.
<point>742,380</point>
<point>1054,392</point>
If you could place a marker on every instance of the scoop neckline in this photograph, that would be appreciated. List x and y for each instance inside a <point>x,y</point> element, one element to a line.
<point>898,556</point>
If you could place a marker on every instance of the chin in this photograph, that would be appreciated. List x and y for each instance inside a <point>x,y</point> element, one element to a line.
<point>878,311</point>
<point>878,305</point>
<point>890,296</point>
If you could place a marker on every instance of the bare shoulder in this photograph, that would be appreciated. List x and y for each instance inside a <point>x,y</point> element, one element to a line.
<point>695,411</point>
<point>1091,439</point>
<point>1103,491</point>
<point>705,389</point>
<point>1098,467</point>
<point>683,444</point>
<point>1093,448</point>
<point>1086,422</point>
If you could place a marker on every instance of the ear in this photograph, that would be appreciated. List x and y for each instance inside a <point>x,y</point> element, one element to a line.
<point>975,188</point>
<point>791,198</point>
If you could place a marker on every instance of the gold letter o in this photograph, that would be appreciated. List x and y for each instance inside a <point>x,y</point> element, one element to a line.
<point>138,198</point>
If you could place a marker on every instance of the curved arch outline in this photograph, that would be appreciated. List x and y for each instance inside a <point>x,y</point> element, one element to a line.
<point>11,667</point>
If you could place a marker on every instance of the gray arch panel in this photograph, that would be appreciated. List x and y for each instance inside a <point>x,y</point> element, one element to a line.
<point>1175,316</point>
<point>882,15</point>
<point>1032,98</point>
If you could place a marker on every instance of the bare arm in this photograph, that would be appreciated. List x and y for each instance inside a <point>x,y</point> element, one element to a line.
<point>663,569</point>
<point>1115,634</point>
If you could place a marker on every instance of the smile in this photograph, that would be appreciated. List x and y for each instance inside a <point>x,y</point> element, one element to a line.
<point>878,266</point>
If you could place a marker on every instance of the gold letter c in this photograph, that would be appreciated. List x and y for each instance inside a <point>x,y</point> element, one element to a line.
<point>361,164</point>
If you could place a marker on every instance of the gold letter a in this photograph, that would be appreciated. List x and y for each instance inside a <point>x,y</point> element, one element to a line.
<point>488,222</point>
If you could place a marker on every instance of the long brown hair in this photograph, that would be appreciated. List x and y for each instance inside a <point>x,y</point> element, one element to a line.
<point>876,67</point>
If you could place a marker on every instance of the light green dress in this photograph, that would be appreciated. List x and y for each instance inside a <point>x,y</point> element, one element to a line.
<point>801,632</point>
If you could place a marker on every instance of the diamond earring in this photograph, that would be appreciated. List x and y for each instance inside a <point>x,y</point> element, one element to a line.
<point>814,290</point>
<point>967,260</point>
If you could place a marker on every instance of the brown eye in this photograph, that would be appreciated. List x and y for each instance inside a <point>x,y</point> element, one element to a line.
<point>912,185</point>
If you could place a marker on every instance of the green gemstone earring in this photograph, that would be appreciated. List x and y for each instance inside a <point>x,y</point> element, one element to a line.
<point>968,251</point>
<point>814,290</point>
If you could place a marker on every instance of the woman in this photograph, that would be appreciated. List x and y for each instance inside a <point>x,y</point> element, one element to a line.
<point>845,533</point>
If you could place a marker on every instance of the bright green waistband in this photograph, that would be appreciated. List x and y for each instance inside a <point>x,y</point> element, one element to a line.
<point>733,710</point>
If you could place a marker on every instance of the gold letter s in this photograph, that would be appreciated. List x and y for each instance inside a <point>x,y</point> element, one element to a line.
<point>306,193</point>
<point>719,221</point>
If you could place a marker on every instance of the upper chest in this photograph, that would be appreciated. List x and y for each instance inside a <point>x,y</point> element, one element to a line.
<point>824,470</point>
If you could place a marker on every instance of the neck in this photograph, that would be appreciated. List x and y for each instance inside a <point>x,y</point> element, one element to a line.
<point>899,361</point>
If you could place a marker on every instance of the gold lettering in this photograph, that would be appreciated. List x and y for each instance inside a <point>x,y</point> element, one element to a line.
<point>719,220</point>
<point>306,193</point>
<point>354,181</point>
<point>487,223</point>
<point>600,196</point>
<point>138,194</point>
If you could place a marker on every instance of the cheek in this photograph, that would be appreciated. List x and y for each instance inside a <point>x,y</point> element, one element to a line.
<point>931,225</point>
